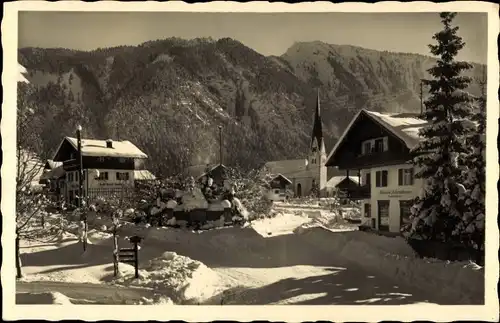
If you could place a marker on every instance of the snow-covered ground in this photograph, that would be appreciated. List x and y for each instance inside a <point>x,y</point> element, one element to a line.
<point>292,258</point>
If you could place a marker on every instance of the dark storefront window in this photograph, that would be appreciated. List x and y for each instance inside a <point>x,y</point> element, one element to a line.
<point>383,215</point>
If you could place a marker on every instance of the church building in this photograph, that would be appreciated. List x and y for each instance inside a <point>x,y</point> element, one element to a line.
<point>306,175</point>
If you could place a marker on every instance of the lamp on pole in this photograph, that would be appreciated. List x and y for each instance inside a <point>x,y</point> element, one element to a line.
<point>80,183</point>
<point>220,144</point>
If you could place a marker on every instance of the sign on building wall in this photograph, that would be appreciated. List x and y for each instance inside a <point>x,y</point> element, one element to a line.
<point>397,193</point>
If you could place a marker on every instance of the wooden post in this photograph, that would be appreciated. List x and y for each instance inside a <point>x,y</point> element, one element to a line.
<point>136,256</point>
<point>136,240</point>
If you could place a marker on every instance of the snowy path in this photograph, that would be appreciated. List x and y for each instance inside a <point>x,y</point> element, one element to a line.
<point>268,263</point>
<point>82,293</point>
<point>322,279</point>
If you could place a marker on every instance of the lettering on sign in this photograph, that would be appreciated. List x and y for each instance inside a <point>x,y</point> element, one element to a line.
<point>396,192</point>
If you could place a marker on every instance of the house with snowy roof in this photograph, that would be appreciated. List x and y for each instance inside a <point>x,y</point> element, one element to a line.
<point>376,147</point>
<point>337,184</point>
<point>308,172</point>
<point>107,165</point>
<point>217,172</point>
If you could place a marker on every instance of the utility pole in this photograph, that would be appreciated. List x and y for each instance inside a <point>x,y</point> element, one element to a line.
<point>421,97</point>
<point>220,144</point>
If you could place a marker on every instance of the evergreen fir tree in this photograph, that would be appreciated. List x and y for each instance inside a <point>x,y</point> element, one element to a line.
<point>471,228</point>
<point>439,208</point>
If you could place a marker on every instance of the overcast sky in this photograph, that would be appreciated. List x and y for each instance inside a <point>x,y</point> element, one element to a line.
<point>267,33</point>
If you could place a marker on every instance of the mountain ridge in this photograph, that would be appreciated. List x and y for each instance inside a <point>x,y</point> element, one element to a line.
<point>151,93</point>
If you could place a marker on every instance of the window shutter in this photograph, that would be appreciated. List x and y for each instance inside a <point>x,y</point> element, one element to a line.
<point>400,177</point>
<point>377,179</point>
<point>386,143</point>
<point>384,178</point>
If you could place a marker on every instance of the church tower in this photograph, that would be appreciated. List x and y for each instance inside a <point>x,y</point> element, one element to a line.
<point>317,155</point>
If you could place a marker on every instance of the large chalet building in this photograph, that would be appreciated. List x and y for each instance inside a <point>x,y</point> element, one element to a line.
<point>375,147</point>
<point>107,165</point>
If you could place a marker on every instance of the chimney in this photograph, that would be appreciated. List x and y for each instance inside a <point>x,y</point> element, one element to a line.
<point>109,143</point>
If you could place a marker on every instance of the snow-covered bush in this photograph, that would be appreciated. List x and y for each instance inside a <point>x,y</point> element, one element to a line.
<point>250,190</point>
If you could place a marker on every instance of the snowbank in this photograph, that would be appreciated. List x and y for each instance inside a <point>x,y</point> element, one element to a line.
<point>171,275</point>
<point>282,223</point>
<point>42,298</point>
<point>393,257</point>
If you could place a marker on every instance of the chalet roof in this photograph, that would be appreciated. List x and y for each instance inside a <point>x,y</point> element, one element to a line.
<point>198,171</point>
<point>283,177</point>
<point>50,164</point>
<point>143,174</point>
<point>54,173</point>
<point>336,180</point>
<point>98,148</point>
<point>404,126</point>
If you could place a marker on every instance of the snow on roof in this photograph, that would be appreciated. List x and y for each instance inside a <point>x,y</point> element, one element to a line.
<point>336,180</point>
<point>405,126</point>
<point>93,147</point>
<point>198,171</point>
<point>282,176</point>
<point>52,164</point>
<point>143,174</point>
<point>21,70</point>
<point>286,166</point>
<point>54,173</point>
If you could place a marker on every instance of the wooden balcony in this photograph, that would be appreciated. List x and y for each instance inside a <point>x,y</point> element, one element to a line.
<point>362,192</point>
<point>355,162</point>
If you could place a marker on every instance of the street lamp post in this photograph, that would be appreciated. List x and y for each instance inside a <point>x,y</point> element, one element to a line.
<point>220,144</point>
<point>80,183</point>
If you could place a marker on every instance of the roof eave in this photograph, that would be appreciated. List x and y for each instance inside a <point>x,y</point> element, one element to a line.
<point>346,131</point>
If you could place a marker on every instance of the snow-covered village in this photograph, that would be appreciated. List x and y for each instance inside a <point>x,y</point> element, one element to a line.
<point>196,170</point>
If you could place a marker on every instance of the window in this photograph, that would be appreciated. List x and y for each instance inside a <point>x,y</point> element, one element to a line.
<point>103,176</point>
<point>381,178</point>
<point>368,179</point>
<point>368,213</point>
<point>122,176</point>
<point>405,177</point>
<point>101,159</point>
<point>313,161</point>
<point>122,160</point>
<point>367,147</point>
<point>405,212</point>
<point>70,177</point>
<point>379,145</point>
<point>383,215</point>
<point>374,146</point>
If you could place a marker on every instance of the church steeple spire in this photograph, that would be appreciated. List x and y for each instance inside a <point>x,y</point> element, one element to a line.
<point>317,133</point>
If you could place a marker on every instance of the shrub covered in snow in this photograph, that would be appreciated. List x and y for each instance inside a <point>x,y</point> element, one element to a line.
<point>177,277</point>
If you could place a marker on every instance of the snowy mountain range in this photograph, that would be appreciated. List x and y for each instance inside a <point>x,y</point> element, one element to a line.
<point>169,96</point>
